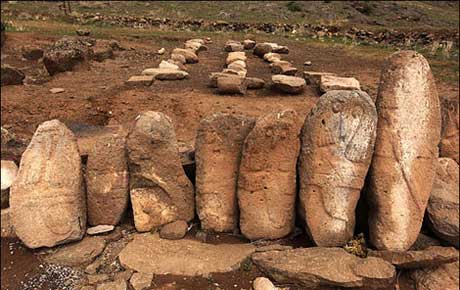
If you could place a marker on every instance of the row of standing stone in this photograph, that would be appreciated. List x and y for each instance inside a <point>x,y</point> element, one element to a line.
<point>246,169</point>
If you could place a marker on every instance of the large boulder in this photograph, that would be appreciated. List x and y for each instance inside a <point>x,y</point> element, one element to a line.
<point>67,52</point>
<point>436,278</point>
<point>107,179</point>
<point>406,152</point>
<point>267,177</point>
<point>149,253</point>
<point>160,191</point>
<point>219,143</point>
<point>47,199</point>
<point>316,267</point>
<point>288,84</point>
<point>449,146</point>
<point>11,76</point>
<point>443,206</point>
<point>338,139</point>
<point>189,55</point>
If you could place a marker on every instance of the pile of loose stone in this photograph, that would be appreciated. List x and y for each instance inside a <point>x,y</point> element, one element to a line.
<point>233,79</point>
<point>252,176</point>
<point>174,68</point>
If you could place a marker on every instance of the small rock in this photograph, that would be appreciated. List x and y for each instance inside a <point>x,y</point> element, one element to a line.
<point>102,53</point>
<point>288,84</point>
<point>255,83</point>
<point>115,285</point>
<point>79,253</point>
<point>262,283</point>
<point>178,57</point>
<point>283,67</point>
<point>161,51</point>
<point>430,257</point>
<point>233,45</point>
<point>165,73</point>
<point>174,231</point>
<point>83,32</point>
<point>307,63</point>
<point>231,85</point>
<point>249,44</point>
<point>11,76</point>
<point>272,57</point>
<point>144,80</point>
<point>328,83</point>
<point>141,281</point>
<point>168,65</point>
<point>32,53</point>
<point>189,55</point>
<point>202,236</point>
<point>100,229</point>
<point>57,90</point>
<point>215,75</point>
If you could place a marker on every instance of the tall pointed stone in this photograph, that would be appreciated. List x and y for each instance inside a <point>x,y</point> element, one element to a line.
<point>337,143</point>
<point>267,178</point>
<point>107,179</point>
<point>406,152</point>
<point>47,198</point>
<point>219,144</point>
<point>160,191</point>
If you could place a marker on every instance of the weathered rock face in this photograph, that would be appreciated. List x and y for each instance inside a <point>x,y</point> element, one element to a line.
<point>442,277</point>
<point>149,253</point>
<point>406,153</point>
<point>288,84</point>
<point>337,144</point>
<point>189,55</point>
<point>66,53</point>
<point>267,177</point>
<point>429,257</point>
<point>160,191</point>
<point>11,76</point>
<point>449,146</point>
<point>315,267</point>
<point>47,199</point>
<point>231,85</point>
<point>9,170</point>
<point>443,205</point>
<point>174,231</point>
<point>107,180</point>
<point>218,146</point>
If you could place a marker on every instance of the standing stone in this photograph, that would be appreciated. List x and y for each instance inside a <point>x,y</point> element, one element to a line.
<point>406,153</point>
<point>337,144</point>
<point>107,180</point>
<point>160,191</point>
<point>267,177</point>
<point>218,146</point>
<point>443,207</point>
<point>47,199</point>
<point>449,146</point>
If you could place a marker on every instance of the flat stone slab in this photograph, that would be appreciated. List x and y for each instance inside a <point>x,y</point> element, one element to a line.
<point>430,257</point>
<point>314,267</point>
<point>314,77</point>
<point>288,84</point>
<point>165,73</point>
<point>149,253</point>
<point>79,253</point>
<point>145,80</point>
<point>100,229</point>
<point>330,82</point>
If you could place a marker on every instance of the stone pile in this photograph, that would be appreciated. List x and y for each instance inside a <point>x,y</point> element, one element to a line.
<point>233,79</point>
<point>174,68</point>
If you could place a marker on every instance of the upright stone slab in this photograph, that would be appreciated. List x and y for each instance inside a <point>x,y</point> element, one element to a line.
<point>160,191</point>
<point>406,152</point>
<point>219,143</point>
<point>267,178</point>
<point>107,179</point>
<point>47,199</point>
<point>337,143</point>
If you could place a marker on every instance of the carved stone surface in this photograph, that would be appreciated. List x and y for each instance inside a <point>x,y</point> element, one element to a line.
<point>337,144</point>
<point>267,177</point>
<point>47,200</point>
<point>449,145</point>
<point>107,179</point>
<point>218,146</point>
<point>406,152</point>
<point>160,191</point>
<point>443,207</point>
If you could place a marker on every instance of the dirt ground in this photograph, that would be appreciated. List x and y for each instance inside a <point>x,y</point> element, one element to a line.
<point>96,94</point>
